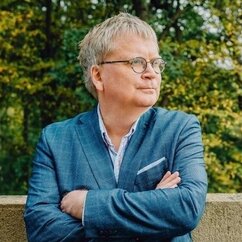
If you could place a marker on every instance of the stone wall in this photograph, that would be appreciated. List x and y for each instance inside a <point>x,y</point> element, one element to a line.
<point>11,219</point>
<point>222,221</point>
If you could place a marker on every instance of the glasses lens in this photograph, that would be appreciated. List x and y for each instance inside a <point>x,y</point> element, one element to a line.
<point>158,65</point>
<point>138,64</point>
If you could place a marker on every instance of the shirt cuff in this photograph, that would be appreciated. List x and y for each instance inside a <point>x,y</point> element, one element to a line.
<point>83,209</point>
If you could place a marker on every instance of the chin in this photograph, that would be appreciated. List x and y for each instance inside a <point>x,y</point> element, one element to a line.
<point>147,104</point>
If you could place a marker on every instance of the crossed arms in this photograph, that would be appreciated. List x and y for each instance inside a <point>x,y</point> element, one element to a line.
<point>73,202</point>
<point>172,209</point>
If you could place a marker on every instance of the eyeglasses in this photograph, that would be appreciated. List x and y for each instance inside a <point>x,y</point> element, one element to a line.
<point>139,64</point>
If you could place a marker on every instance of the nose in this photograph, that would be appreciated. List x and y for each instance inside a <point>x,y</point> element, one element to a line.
<point>149,72</point>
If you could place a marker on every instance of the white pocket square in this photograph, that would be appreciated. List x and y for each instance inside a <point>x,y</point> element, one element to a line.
<point>151,165</point>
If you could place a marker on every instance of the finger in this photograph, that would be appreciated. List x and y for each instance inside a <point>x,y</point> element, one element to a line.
<point>63,203</point>
<point>173,183</point>
<point>170,178</point>
<point>170,182</point>
<point>168,173</point>
<point>62,208</point>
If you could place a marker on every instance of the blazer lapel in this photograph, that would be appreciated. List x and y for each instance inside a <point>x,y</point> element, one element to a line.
<point>134,153</point>
<point>95,150</point>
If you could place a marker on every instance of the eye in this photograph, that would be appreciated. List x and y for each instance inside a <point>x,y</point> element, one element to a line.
<point>158,65</point>
<point>138,61</point>
<point>157,62</point>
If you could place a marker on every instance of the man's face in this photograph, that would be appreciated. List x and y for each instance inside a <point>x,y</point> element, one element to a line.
<point>121,86</point>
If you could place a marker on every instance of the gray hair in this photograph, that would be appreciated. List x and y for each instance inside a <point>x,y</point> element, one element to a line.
<point>100,41</point>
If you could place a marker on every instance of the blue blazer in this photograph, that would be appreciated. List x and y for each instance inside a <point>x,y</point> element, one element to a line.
<point>71,155</point>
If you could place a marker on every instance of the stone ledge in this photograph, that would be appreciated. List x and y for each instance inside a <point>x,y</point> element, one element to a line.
<point>12,200</point>
<point>11,219</point>
<point>222,221</point>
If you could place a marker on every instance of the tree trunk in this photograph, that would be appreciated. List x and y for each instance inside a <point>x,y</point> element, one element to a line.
<point>48,52</point>
<point>140,9</point>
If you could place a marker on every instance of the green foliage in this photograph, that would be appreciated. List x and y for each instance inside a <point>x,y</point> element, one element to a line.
<point>41,80</point>
<point>198,81</point>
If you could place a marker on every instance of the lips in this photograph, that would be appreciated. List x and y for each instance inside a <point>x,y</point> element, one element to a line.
<point>147,88</point>
<point>148,85</point>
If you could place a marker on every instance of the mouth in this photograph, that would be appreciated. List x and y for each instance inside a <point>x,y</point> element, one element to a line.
<point>148,90</point>
<point>147,87</point>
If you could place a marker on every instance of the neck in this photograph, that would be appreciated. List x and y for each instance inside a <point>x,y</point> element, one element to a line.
<point>119,121</point>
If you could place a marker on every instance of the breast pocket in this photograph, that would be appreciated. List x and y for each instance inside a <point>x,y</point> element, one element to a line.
<point>148,176</point>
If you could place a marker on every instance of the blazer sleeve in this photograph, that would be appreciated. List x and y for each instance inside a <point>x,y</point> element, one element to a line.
<point>161,213</point>
<point>43,218</point>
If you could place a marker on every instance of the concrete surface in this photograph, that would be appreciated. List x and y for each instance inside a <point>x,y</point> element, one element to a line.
<point>222,221</point>
<point>11,219</point>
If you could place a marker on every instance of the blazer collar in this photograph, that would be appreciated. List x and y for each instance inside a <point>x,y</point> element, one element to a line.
<point>95,150</point>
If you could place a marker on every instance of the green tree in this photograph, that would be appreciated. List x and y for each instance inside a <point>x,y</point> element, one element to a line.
<point>41,81</point>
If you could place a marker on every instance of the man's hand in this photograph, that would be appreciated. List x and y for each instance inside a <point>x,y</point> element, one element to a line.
<point>72,203</point>
<point>169,180</point>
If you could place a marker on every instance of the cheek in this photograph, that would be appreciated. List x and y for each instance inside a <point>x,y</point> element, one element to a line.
<point>159,83</point>
<point>120,78</point>
<point>111,76</point>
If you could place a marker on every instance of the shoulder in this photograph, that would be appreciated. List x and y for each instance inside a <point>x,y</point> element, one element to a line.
<point>172,120</point>
<point>164,114</point>
<point>66,126</point>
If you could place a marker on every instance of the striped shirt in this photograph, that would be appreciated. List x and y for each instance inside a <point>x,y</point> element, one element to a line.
<point>116,156</point>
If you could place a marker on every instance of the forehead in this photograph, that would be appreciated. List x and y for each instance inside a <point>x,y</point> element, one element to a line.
<point>130,44</point>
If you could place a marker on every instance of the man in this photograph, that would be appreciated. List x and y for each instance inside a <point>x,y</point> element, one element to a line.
<point>125,171</point>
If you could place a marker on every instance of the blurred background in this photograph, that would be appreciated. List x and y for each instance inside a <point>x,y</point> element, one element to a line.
<point>41,81</point>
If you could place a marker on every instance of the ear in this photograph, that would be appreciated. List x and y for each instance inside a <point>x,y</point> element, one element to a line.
<point>96,77</point>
